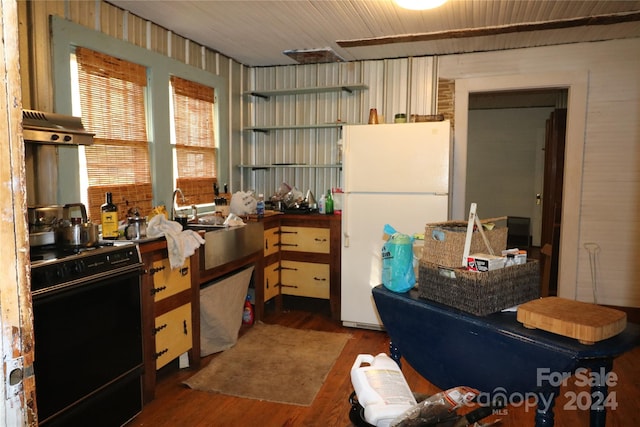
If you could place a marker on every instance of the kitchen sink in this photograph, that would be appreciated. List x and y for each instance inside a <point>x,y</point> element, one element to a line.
<point>226,244</point>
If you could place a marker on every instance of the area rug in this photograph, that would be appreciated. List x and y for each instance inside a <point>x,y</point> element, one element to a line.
<point>273,363</point>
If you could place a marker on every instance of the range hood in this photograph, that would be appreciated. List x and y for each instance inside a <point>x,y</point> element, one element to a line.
<point>52,128</point>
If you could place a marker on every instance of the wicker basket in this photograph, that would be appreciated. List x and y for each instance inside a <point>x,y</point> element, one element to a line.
<point>444,242</point>
<point>480,293</point>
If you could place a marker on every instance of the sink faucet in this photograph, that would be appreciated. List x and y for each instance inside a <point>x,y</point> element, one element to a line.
<point>194,210</point>
<point>173,202</point>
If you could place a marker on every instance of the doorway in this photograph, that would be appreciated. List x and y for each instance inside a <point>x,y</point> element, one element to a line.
<point>576,82</point>
<point>513,141</point>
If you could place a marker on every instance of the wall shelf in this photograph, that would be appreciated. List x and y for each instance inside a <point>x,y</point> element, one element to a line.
<point>312,140</point>
<point>266,129</point>
<point>266,94</point>
<point>289,165</point>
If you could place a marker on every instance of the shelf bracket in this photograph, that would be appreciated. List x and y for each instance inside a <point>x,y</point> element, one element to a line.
<point>259,95</point>
<point>347,89</point>
<point>261,130</point>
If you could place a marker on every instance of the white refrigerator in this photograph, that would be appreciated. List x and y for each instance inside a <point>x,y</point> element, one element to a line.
<point>396,174</point>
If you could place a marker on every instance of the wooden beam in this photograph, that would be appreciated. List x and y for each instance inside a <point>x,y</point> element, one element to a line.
<point>493,31</point>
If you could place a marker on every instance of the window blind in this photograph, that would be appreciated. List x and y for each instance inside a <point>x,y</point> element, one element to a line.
<point>195,147</point>
<point>112,99</point>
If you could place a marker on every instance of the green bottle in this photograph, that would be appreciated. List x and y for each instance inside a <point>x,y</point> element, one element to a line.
<point>328,203</point>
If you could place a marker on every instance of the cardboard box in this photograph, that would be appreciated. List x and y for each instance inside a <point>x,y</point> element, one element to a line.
<point>484,262</point>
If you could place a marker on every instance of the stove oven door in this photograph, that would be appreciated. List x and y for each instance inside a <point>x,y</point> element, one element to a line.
<point>88,350</point>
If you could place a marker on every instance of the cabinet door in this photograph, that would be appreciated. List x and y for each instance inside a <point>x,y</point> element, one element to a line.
<point>305,239</point>
<point>305,279</point>
<point>271,280</point>
<point>167,282</point>
<point>173,334</point>
<point>271,241</point>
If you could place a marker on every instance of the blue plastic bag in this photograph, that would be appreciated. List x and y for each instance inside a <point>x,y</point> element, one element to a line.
<point>397,261</point>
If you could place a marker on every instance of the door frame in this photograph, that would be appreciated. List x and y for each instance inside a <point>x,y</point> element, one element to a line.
<point>577,85</point>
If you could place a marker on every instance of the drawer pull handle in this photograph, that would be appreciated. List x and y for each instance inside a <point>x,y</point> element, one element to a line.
<point>267,284</point>
<point>288,232</point>
<point>154,270</point>
<point>160,353</point>
<point>287,286</point>
<point>288,244</point>
<point>184,325</point>
<point>320,279</point>
<point>157,290</point>
<point>266,245</point>
<point>320,240</point>
<point>184,271</point>
<point>289,268</point>
<point>159,328</point>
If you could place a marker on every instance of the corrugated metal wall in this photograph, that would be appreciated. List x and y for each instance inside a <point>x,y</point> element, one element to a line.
<point>394,86</point>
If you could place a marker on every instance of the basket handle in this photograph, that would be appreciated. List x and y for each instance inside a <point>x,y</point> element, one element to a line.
<point>473,219</point>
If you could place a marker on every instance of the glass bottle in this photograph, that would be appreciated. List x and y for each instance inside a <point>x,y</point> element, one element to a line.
<point>109,218</point>
<point>328,203</point>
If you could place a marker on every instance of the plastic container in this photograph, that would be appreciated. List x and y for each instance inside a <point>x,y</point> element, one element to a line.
<point>321,204</point>
<point>247,314</point>
<point>381,388</point>
<point>260,206</point>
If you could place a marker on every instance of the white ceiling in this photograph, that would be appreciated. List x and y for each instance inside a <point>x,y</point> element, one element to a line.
<point>255,33</point>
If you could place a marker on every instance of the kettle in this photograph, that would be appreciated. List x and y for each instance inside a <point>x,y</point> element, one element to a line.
<point>136,225</point>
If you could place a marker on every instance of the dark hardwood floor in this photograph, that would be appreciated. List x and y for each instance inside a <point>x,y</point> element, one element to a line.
<point>176,405</point>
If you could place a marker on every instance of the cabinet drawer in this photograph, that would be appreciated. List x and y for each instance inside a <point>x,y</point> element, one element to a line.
<point>305,239</point>
<point>305,279</point>
<point>271,241</point>
<point>173,334</point>
<point>271,281</point>
<point>167,282</point>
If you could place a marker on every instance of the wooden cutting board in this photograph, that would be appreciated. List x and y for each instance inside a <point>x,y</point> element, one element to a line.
<point>587,322</point>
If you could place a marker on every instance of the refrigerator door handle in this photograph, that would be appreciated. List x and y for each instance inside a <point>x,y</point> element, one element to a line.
<point>345,220</point>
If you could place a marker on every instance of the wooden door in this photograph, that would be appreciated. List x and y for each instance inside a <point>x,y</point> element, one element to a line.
<point>552,198</point>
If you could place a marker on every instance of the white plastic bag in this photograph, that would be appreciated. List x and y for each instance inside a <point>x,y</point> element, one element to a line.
<point>243,203</point>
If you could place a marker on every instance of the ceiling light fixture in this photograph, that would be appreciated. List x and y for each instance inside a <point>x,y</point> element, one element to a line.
<point>420,4</point>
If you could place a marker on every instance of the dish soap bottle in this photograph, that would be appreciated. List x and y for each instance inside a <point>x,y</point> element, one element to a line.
<point>109,218</point>
<point>247,314</point>
<point>328,203</point>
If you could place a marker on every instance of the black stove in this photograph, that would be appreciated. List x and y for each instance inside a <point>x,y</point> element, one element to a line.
<point>87,303</point>
<point>55,268</point>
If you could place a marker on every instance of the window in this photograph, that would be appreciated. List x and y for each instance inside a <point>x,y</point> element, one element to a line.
<point>193,133</point>
<point>111,95</point>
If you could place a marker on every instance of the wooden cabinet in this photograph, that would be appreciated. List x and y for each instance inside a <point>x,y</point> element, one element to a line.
<point>305,279</point>
<point>271,276</point>
<point>168,282</point>
<point>172,331</point>
<point>301,277</point>
<point>173,334</point>
<point>305,239</point>
<point>271,281</point>
<point>301,258</point>
<point>271,241</point>
<point>171,312</point>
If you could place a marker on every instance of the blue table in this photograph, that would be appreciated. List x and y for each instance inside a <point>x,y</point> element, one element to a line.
<point>496,354</point>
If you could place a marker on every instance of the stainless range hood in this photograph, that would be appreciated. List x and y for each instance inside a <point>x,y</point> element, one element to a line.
<point>51,128</point>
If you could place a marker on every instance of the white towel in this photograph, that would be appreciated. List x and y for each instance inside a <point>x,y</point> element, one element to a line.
<point>181,244</point>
